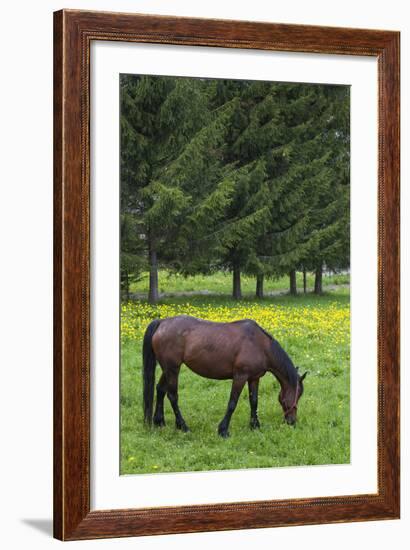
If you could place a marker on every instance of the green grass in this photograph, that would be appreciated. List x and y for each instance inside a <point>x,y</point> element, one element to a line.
<point>221,283</point>
<point>322,432</point>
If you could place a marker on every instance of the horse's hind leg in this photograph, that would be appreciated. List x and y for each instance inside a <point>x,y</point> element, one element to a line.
<point>172,392</point>
<point>237,386</point>
<point>159,419</point>
<point>253,386</point>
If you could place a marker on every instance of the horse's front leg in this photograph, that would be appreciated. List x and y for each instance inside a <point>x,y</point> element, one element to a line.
<point>172,392</point>
<point>237,386</point>
<point>253,386</point>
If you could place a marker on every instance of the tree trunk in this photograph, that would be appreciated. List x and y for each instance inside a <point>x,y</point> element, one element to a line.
<point>304,280</point>
<point>236,280</point>
<point>153,294</point>
<point>127,286</point>
<point>318,280</point>
<point>259,285</point>
<point>292,280</point>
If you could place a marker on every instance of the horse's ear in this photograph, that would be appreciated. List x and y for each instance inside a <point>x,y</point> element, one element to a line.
<point>304,376</point>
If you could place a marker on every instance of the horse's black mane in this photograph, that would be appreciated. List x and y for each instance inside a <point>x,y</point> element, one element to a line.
<point>284,362</point>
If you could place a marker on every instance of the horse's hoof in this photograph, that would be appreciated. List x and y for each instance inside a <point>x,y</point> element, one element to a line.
<point>223,433</point>
<point>255,425</point>
<point>159,423</point>
<point>184,428</point>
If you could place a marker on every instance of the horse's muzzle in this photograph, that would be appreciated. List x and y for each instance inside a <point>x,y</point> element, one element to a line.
<point>291,420</point>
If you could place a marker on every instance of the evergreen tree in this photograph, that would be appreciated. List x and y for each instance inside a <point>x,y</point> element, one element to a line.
<point>284,241</point>
<point>309,213</point>
<point>199,173</point>
<point>159,116</point>
<point>222,174</point>
<point>253,132</point>
<point>330,192</point>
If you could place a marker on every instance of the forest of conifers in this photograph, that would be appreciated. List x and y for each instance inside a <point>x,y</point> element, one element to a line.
<point>242,176</point>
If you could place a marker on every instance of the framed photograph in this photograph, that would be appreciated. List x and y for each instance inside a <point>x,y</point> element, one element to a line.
<point>226,275</point>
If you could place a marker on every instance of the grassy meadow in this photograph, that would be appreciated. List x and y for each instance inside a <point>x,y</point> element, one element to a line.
<point>221,283</point>
<point>314,330</point>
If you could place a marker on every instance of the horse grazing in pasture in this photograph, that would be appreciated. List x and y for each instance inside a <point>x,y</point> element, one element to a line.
<point>241,351</point>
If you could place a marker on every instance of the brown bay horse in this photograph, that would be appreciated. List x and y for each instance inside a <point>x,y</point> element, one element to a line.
<point>241,351</point>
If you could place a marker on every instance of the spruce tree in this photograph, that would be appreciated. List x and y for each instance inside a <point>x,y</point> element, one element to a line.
<point>239,175</point>
<point>305,199</point>
<point>253,132</point>
<point>283,242</point>
<point>159,116</point>
<point>330,192</point>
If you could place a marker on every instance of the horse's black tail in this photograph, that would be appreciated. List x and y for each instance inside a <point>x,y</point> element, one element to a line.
<point>148,371</point>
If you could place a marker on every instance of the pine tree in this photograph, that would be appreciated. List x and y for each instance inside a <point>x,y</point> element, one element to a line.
<point>209,184</point>
<point>228,206</point>
<point>239,175</point>
<point>159,117</point>
<point>281,244</point>
<point>252,134</point>
<point>330,212</point>
<point>302,186</point>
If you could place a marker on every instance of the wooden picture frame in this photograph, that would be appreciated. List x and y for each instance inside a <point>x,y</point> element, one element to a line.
<point>73,33</point>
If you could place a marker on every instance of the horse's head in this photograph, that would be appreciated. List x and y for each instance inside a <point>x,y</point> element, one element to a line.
<point>289,397</point>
